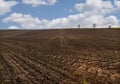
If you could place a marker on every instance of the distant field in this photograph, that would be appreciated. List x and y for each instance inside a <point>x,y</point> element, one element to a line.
<point>60,56</point>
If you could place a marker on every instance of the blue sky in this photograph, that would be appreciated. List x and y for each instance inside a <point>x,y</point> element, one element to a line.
<point>42,14</point>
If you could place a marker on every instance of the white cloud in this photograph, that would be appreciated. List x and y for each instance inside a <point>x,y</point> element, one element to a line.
<point>96,11</point>
<point>26,21</point>
<point>112,20</point>
<point>5,6</point>
<point>13,27</point>
<point>29,22</point>
<point>95,7</point>
<point>92,11</point>
<point>35,3</point>
<point>117,3</point>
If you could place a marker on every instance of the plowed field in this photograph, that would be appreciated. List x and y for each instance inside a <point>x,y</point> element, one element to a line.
<point>60,56</point>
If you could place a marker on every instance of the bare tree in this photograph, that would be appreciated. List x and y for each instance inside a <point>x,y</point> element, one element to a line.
<point>78,25</point>
<point>94,25</point>
<point>109,26</point>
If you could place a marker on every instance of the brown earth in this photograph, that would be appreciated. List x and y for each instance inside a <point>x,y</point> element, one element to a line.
<point>63,56</point>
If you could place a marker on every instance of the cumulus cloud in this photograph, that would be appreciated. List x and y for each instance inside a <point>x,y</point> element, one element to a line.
<point>35,3</point>
<point>13,27</point>
<point>26,21</point>
<point>117,3</point>
<point>5,6</point>
<point>112,20</point>
<point>96,11</point>
<point>95,7</point>
<point>29,22</point>
<point>90,12</point>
